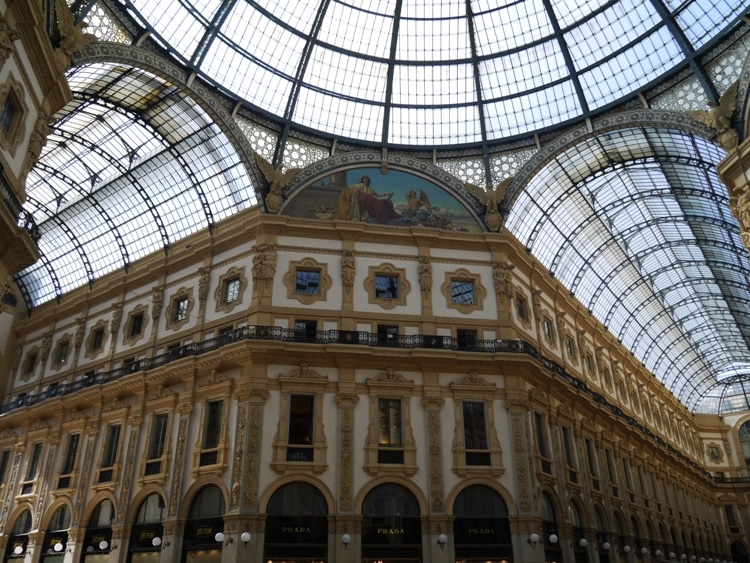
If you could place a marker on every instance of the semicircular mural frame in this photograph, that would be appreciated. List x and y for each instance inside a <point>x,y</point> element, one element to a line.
<point>399,197</point>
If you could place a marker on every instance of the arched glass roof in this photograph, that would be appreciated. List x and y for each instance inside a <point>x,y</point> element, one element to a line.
<point>637,225</point>
<point>435,72</point>
<point>131,165</point>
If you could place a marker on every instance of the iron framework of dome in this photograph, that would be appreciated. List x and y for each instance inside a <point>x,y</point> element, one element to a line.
<point>133,164</point>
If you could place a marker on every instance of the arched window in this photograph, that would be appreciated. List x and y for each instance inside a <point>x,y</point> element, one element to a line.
<point>297,523</point>
<point>20,538</point>
<point>97,542</point>
<point>552,551</point>
<point>56,536</point>
<point>481,529</point>
<point>580,542</point>
<point>146,535</point>
<point>205,521</point>
<point>390,524</point>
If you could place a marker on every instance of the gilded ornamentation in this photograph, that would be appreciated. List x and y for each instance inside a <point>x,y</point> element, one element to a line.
<point>474,379</point>
<point>203,281</point>
<point>390,375</point>
<point>521,460</point>
<point>179,462</point>
<point>214,378</point>
<point>502,275</point>
<point>346,437</point>
<point>304,372</point>
<point>250,493</point>
<point>435,463</point>
<point>83,479</point>
<point>718,117</point>
<point>127,476</point>
<point>491,197</point>
<point>239,454</point>
<point>73,39</point>
<point>157,300</point>
<point>277,181</point>
<point>264,264</point>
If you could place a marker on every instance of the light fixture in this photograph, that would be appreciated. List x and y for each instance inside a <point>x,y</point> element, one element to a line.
<point>442,538</point>
<point>103,545</point>
<point>693,558</point>
<point>626,548</point>
<point>345,539</point>
<point>683,557</point>
<point>606,546</point>
<point>245,537</point>
<point>703,559</point>
<point>657,552</point>
<point>644,550</point>
<point>156,542</point>
<point>18,550</point>
<point>672,555</point>
<point>553,538</point>
<point>533,540</point>
<point>583,542</point>
<point>58,547</point>
<point>219,536</point>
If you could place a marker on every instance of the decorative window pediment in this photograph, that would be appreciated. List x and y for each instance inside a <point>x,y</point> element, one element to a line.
<point>307,281</point>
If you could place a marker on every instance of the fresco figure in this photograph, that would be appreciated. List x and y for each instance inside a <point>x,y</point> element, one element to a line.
<point>360,202</point>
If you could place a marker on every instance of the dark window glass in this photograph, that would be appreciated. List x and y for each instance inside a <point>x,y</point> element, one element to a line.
<point>136,324</point>
<point>212,425</point>
<point>110,446</point>
<point>475,426</point>
<point>547,325</point>
<point>301,417</point>
<point>33,466</point>
<point>180,309</point>
<point>389,422</point>
<point>62,352</point>
<point>462,292</point>
<point>387,335</point>
<point>591,455</point>
<point>30,363</point>
<point>308,282</point>
<point>386,287</point>
<point>568,447</point>
<point>521,309</point>
<point>8,114</point>
<point>231,290</point>
<point>98,339</point>
<point>466,339</point>
<point>70,455</point>
<point>4,457</point>
<point>305,331</point>
<point>158,436</point>
<point>541,434</point>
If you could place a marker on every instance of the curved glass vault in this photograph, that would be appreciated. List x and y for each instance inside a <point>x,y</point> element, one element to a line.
<point>131,165</point>
<point>636,224</point>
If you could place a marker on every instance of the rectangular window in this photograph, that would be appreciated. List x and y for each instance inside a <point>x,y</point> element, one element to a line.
<point>231,290</point>
<point>547,327</point>
<point>30,363</point>
<point>109,454</point>
<point>4,457</point>
<point>569,347</point>
<point>387,335</point>
<point>541,441</point>
<point>462,292</point>
<point>591,458</point>
<point>386,287</point>
<point>521,309</point>
<point>305,331</point>
<point>301,428</point>
<point>69,462</point>
<point>611,472</point>
<point>466,339</point>
<point>157,443</point>
<point>390,433</point>
<point>569,452</point>
<point>589,363</point>
<point>475,433</point>
<point>98,339</point>
<point>8,114</point>
<point>307,282</point>
<point>31,470</point>
<point>731,519</point>
<point>180,309</point>
<point>212,425</point>
<point>62,352</point>
<point>136,324</point>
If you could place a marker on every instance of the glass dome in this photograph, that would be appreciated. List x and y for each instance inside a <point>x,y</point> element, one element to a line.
<point>436,72</point>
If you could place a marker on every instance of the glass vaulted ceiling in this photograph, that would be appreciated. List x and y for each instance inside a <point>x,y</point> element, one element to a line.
<point>130,166</point>
<point>434,72</point>
<point>636,224</point>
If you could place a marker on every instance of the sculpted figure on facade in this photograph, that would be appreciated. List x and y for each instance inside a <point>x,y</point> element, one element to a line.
<point>277,181</point>
<point>264,263</point>
<point>7,37</point>
<point>425,274</point>
<point>347,269</point>
<point>718,117</point>
<point>503,277</point>
<point>73,38</point>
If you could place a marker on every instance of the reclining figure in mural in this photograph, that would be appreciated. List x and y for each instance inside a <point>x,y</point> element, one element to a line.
<point>360,202</point>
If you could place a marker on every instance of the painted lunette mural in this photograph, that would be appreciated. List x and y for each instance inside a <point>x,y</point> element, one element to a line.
<point>395,198</point>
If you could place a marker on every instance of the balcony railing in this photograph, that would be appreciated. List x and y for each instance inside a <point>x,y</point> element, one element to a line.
<point>358,338</point>
<point>24,219</point>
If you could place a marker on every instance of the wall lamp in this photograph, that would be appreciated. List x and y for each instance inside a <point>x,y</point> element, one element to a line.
<point>156,542</point>
<point>245,537</point>
<point>220,537</point>
<point>583,542</point>
<point>533,540</point>
<point>606,545</point>
<point>345,539</point>
<point>626,549</point>
<point>644,550</point>
<point>657,552</point>
<point>553,538</point>
<point>442,538</point>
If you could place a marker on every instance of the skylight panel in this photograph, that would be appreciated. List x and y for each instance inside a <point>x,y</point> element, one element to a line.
<point>599,37</point>
<point>434,126</point>
<point>181,23</point>
<point>347,76</point>
<point>505,28</point>
<point>358,30</point>
<point>521,71</point>
<point>568,12</point>
<point>338,116</point>
<point>631,69</point>
<point>434,85</point>
<point>432,39</point>
<point>299,14</point>
<point>702,21</point>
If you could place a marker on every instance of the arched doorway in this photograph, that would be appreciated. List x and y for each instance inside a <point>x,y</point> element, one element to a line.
<point>147,533</point>
<point>739,552</point>
<point>296,525</point>
<point>19,539</point>
<point>552,551</point>
<point>56,537</point>
<point>602,541</point>
<point>481,529</point>
<point>580,542</point>
<point>97,542</point>
<point>205,520</point>
<point>391,529</point>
